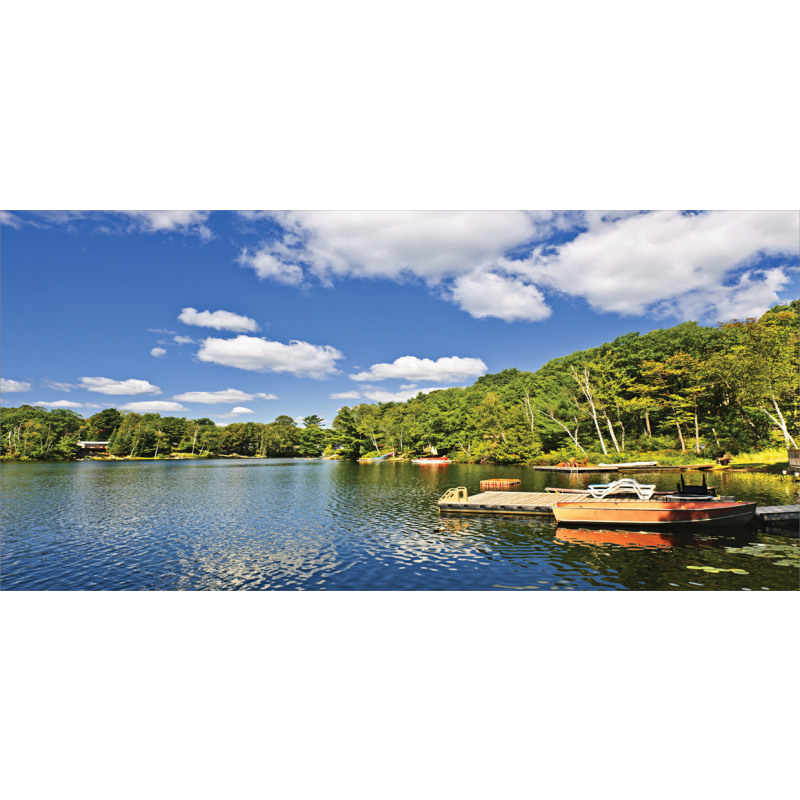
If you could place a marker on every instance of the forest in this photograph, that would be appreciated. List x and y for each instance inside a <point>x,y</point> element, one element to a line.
<point>690,390</point>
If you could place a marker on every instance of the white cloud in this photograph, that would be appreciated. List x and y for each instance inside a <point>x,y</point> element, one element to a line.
<point>153,406</point>
<point>219,320</point>
<point>391,244</point>
<point>749,296</point>
<point>268,264</point>
<point>345,395</point>
<point>623,262</point>
<point>183,339</point>
<point>261,355</point>
<point>59,404</point>
<point>8,385</point>
<point>180,221</point>
<point>224,396</point>
<point>235,412</point>
<point>447,369</point>
<point>12,220</point>
<point>157,352</point>
<point>110,221</point>
<point>109,386</point>
<point>61,387</point>
<point>632,264</point>
<point>491,295</point>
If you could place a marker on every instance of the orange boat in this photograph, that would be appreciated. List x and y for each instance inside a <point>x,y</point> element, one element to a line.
<point>494,484</point>
<point>689,513</point>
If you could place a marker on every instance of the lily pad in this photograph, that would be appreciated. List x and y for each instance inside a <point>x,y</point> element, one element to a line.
<point>721,569</point>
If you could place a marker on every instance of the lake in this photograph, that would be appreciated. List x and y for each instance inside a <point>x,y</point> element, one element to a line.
<point>292,524</point>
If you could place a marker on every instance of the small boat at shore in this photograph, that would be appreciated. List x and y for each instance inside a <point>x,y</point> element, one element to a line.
<point>433,460</point>
<point>665,512</point>
<point>384,457</point>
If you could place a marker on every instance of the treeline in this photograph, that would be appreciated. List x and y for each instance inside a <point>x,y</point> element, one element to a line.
<point>691,389</point>
<point>32,433</point>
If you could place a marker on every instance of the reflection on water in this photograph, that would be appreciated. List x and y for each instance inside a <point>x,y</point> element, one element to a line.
<point>282,524</point>
<point>621,538</point>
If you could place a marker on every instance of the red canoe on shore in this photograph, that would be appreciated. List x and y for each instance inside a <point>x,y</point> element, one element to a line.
<point>659,513</point>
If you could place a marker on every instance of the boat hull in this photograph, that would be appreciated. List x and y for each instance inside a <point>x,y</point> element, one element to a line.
<point>432,461</point>
<point>652,513</point>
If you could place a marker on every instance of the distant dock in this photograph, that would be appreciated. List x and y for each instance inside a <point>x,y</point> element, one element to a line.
<point>623,468</point>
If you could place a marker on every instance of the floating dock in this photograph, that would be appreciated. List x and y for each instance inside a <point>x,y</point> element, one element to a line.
<point>778,513</point>
<point>508,502</point>
<point>541,504</point>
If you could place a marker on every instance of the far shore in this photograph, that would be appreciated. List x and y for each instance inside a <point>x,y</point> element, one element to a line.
<point>749,462</point>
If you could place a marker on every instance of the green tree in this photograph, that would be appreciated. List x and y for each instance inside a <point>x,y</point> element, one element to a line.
<point>103,424</point>
<point>311,438</point>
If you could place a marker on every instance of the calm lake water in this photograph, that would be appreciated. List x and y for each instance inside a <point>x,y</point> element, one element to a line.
<point>297,524</point>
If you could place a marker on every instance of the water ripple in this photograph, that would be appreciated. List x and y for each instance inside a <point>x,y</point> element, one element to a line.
<point>273,524</point>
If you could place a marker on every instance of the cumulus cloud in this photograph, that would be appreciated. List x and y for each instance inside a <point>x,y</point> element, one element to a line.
<point>153,406</point>
<point>110,386</point>
<point>668,259</point>
<point>223,396</point>
<point>8,385</point>
<point>169,221</point>
<point>491,295</point>
<point>268,264</point>
<point>236,412</point>
<point>345,395</point>
<point>390,244</point>
<point>219,320</point>
<point>157,352</point>
<point>446,370</point>
<point>183,339</point>
<point>505,264</point>
<point>748,296</point>
<point>59,404</point>
<point>261,355</point>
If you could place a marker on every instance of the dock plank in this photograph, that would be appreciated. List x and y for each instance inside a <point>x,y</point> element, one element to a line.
<point>778,512</point>
<point>513,502</point>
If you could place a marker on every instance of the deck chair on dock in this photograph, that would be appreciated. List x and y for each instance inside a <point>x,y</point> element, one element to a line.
<point>622,486</point>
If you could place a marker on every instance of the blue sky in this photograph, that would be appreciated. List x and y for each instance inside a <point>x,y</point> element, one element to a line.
<point>248,315</point>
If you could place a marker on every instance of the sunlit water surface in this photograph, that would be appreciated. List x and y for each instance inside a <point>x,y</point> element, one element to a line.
<point>300,524</point>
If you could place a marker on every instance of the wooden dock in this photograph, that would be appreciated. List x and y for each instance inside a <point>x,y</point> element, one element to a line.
<point>511,502</point>
<point>541,503</point>
<point>778,513</point>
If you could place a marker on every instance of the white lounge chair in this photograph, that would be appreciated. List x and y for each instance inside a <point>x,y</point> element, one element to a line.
<point>622,486</point>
